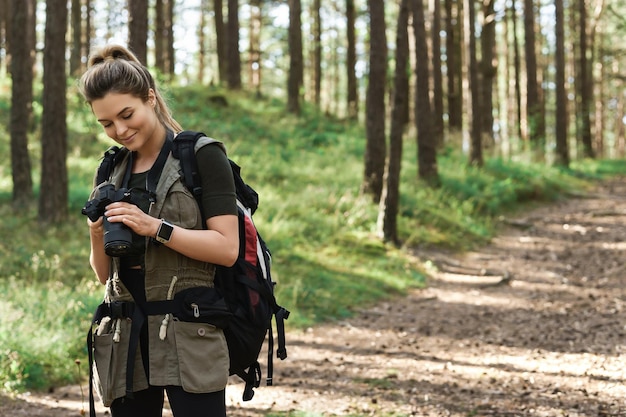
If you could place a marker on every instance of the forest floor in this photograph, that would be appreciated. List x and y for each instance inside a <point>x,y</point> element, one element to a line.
<point>532,324</point>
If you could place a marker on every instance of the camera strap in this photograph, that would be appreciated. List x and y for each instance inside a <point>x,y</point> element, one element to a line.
<point>152,179</point>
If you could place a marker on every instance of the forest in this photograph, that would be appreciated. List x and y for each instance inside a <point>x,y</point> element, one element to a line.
<point>371,129</point>
<point>515,79</point>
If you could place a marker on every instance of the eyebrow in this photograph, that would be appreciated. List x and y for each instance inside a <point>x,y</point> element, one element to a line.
<point>119,113</point>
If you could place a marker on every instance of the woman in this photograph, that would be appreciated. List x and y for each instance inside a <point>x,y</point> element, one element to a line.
<point>175,248</point>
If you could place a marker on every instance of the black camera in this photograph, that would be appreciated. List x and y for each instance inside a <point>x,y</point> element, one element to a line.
<point>118,237</point>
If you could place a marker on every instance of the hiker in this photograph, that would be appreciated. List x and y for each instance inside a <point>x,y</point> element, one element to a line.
<point>159,244</point>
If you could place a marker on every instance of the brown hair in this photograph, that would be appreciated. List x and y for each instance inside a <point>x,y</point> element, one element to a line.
<point>115,69</point>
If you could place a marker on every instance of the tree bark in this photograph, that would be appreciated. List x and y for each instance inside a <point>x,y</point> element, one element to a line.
<point>160,37</point>
<point>54,182</point>
<point>387,224</point>
<point>454,66</point>
<point>202,40</point>
<point>533,106</point>
<point>426,140</point>
<point>296,64</point>
<point>586,83</point>
<point>22,16</point>
<point>220,40</point>
<point>375,150</point>
<point>254,50</point>
<point>437,74</point>
<point>317,52</point>
<point>76,51</point>
<point>232,48</point>
<point>474,107</point>
<point>353,94</point>
<point>518,71</point>
<point>489,67</point>
<point>138,29</point>
<point>562,150</point>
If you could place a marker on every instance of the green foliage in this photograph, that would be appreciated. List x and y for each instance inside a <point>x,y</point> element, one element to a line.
<point>42,323</point>
<point>327,260</point>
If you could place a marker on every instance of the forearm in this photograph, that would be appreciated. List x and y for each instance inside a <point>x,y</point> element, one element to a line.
<point>218,243</point>
<point>100,262</point>
<point>211,245</point>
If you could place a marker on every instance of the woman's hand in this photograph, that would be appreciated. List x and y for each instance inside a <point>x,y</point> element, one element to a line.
<point>98,259</point>
<point>96,229</point>
<point>132,216</point>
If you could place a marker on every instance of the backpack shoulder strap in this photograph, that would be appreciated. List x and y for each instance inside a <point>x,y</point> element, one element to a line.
<point>186,144</point>
<point>184,150</point>
<point>109,159</point>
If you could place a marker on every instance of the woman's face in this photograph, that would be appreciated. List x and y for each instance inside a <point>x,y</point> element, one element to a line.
<point>128,120</point>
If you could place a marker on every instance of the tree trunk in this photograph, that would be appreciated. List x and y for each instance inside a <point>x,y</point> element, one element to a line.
<point>437,74</point>
<point>54,183</point>
<point>599,88</point>
<point>22,17</point>
<point>160,30</point>
<point>454,66</point>
<point>169,24</point>
<point>600,98</point>
<point>138,29</point>
<point>489,68</point>
<point>518,72</point>
<point>474,105</point>
<point>353,94</point>
<point>76,51</point>
<point>562,150</point>
<point>426,140</point>
<point>586,83</point>
<point>375,150</point>
<point>220,40</point>
<point>390,200</point>
<point>232,51</point>
<point>317,52</point>
<point>87,35</point>
<point>202,40</point>
<point>533,106</point>
<point>254,51</point>
<point>296,65</point>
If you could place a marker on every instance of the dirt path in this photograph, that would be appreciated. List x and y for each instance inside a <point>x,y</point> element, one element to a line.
<point>531,325</point>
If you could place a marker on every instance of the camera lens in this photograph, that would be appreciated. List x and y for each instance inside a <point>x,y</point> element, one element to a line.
<point>117,239</point>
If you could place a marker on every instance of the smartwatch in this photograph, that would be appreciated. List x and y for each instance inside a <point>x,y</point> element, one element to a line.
<point>165,231</point>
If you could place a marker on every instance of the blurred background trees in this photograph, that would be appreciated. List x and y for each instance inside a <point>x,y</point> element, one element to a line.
<point>541,80</point>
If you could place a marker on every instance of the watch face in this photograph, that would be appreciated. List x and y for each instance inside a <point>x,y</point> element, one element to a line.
<point>165,232</point>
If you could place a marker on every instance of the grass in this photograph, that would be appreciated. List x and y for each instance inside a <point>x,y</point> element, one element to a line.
<point>327,259</point>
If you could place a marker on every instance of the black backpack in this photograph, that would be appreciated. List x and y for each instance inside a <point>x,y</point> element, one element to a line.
<point>247,286</point>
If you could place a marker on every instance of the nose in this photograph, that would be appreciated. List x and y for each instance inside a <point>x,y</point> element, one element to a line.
<point>120,129</point>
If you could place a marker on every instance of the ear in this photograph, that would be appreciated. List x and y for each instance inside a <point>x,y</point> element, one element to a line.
<point>151,97</point>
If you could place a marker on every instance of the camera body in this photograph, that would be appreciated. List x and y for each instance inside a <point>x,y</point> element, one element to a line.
<point>118,237</point>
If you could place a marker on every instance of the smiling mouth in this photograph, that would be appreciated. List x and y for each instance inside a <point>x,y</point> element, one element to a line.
<point>128,139</point>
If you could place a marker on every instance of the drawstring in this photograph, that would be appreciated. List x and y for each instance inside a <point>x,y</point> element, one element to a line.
<point>166,319</point>
<point>118,330</point>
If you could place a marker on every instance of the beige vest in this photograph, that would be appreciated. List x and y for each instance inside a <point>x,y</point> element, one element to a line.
<point>192,355</point>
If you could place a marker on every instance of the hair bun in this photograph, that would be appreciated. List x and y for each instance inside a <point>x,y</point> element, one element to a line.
<point>112,53</point>
<point>116,53</point>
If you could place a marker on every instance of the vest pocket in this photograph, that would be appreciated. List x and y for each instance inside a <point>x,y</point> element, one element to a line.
<point>202,355</point>
<point>102,369</point>
<point>110,362</point>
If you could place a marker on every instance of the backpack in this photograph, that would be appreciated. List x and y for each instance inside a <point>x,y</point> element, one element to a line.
<point>246,287</point>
